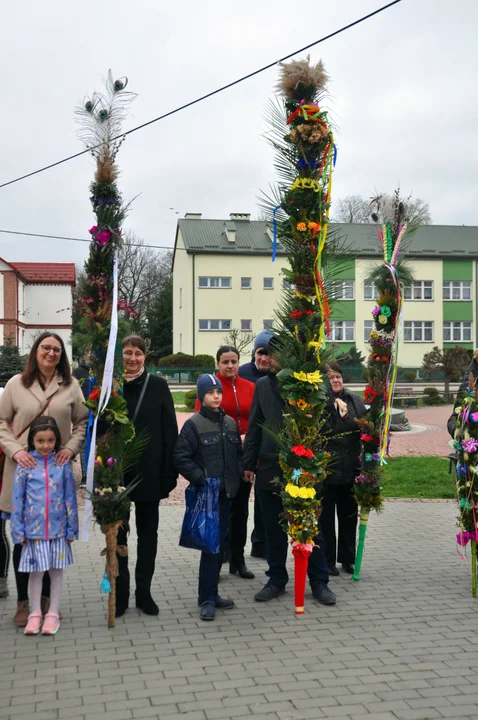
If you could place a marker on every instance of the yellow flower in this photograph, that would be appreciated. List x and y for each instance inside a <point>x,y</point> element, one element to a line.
<point>292,490</point>
<point>301,404</point>
<point>300,376</point>
<point>292,402</point>
<point>301,227</point>
<point>99,460</point>
<point>314,378</point>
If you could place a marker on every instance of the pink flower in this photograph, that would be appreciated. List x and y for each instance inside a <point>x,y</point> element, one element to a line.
<point>474,416</point>
<point>93,230</point>
<point>470,446</point>
<point>103,237</point>
<point>111,462</point>
<point>376,310</point>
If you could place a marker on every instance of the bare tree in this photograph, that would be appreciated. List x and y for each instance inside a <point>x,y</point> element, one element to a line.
<point>351,209</point>
<point>240,339</point>
<point>453,361</point>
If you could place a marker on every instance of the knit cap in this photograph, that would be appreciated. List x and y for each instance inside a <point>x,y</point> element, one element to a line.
<point>205,383</point>
<point>262,340</point>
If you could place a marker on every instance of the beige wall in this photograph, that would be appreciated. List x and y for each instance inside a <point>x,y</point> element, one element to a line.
<point>410,354</point>
<point>234,304</point>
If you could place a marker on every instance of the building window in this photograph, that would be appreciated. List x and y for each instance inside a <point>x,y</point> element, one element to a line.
<point>268,324</point>
<point>367,329</point>
<point>419,290</point>
<point>214,324</point>
<point>343,290</point>
<point>418,331</point>
<point>214,282</point>
<point>268,283</point>
<point>457,290</point>
<point>369,291</point>
<point>246,325</point>
<point>342,331</point>
<point>246,283</point>
<point>457,332</point>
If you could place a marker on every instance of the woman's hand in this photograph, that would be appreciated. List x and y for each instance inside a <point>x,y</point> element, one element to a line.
<point>64,456</point>
<point>24,459</point>
<point>249,476</point>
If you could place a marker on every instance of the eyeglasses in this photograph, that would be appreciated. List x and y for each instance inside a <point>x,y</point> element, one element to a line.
<point>49,348</point>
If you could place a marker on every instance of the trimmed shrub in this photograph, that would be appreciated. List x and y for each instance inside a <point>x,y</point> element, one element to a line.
<point>410,375</point>
<point>177,360</point>
<point>206,361</point>
<point>190,400</point>
<point>432,396</point>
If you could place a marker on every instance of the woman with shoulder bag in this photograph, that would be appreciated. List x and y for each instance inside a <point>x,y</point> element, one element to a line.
<point>151,409</point>
<point>46,387</point>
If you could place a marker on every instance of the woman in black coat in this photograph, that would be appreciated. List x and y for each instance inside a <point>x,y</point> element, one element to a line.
<point>338,494</point>
<point>151,408</point>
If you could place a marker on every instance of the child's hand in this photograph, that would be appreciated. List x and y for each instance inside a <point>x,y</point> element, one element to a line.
<point>23,542</point>
<point>69,541</point>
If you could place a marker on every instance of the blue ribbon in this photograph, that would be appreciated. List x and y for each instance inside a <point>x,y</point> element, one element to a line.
<point>91,418</point>
<point>274,243</point>
<point>335,154</point>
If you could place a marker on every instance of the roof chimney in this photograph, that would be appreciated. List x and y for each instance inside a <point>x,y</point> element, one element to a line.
<point>193,216</point>
<point>240,216</point>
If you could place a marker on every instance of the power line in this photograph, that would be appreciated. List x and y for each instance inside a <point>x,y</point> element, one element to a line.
<point>84,240</point>
<point>210,94</point>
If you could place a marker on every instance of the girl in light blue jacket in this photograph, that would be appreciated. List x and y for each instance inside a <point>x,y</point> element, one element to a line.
<point>45,521</point>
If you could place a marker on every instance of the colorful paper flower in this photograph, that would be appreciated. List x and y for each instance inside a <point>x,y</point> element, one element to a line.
<point>376,310</point>
<point>103,237</point>
<point>369,394</point>
<point>301,227</point>
<point>309,313</point>
<point>296,314</point>
<point>382,320</point>
<point>368,457</point>
<point>93,230</point>
<point>302,451</point>
<point>474,416</point>
<point>366,438</point>
<point>94,395</point>
<point>111,462</point>
<point>461,469</point>
<point>470,446</point>
<point>301,404</point>
<point>385,310</point>
<point>296,473</point>
<point>99,461</point>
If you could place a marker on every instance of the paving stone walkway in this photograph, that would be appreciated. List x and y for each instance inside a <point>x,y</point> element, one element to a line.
<point>400,644</point>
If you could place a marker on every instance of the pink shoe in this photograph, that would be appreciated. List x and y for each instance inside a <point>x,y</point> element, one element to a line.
<point>51,624</point>
<point>34,623</point>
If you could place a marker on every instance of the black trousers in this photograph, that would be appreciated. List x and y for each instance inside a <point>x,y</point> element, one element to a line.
<point>258,535</point>
<point>277,544</point>
<point>340,497</point>
<point>21,578</point>
<point>238,523</point>
<point>4,549</point>
<point>147,519</point>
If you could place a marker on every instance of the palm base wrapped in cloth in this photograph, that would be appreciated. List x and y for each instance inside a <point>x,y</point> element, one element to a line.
<point>111,551</point>
<point>301,553</point>
<point>364,515</point>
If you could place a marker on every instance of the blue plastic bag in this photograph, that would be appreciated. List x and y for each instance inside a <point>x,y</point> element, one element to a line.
<point>200,530</point>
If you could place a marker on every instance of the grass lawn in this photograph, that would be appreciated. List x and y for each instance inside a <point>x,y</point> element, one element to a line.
<point>418,477</point>
<point>178,397</point>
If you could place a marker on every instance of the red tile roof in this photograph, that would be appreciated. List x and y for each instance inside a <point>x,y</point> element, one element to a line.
<point>46,273</point>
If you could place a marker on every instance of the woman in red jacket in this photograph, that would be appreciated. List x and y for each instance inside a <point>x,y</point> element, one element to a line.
<point>237,395</point>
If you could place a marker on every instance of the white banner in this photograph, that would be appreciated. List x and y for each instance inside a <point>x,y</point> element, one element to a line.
<point>105,393</point>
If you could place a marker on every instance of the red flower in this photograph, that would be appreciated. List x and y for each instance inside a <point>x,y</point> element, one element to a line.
<point>309,313</point>
<point>302,451</point>
<point>94,395</point>
<point>296,314</point>
<point>369,394</point>
<point>308,453</point>
<point>366,438</point>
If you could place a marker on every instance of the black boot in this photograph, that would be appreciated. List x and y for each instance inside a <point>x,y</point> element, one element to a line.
<point>145,602</point>
<point>239,566</point>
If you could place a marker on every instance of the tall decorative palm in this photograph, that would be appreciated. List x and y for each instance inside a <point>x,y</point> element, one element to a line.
<point>111,439</point>
<point>302,137</point>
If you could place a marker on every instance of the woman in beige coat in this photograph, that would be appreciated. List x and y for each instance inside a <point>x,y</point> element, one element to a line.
<point>46,387</point>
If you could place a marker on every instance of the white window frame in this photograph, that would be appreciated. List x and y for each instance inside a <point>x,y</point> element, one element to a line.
<point>268,324</point>
<point>368,326</point>
<point>222,325</point>
<point>248,323</point>
<point>264,283</point>
<point>417,328</point>
<point>341,287</point>
<point>450,327</point>
<point>342,326</point>
<point>247,286</point>
<point>417,288</point>
<point>451,286</point>
<point>373,290</point>
<point>211,284</point>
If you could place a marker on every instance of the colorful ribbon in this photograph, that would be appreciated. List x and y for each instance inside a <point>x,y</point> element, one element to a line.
<point>464,537</point>
<point>274,224</point>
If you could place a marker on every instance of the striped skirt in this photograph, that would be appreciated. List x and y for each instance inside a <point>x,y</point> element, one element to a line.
<point>41,555</point>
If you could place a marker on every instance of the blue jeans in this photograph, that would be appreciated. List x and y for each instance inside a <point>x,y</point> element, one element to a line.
<point>210,564</point>
<point>277,544</point>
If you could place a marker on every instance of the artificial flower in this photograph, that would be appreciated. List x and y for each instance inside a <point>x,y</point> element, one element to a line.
<point>368,457</point>
<point>296,314</point>
<point>296,473</point>
<point>99,461</point>
<point>103,237</point>
<point>301,404</point>
<point>306,493</point>
<point>94,395</point>
<point>376,310</point>
<point>474,416</point>
<point>301,227</point>
<point>302,451</point>
<point>313,225</point>
<point>366,438</point>
<point>111,462</point>
<point>292,490</point>
<point>470,445</point>
<point>292,402</point>
<point>369,394</point>
<point>386,310</point>
<point>382,320</point>
<point>93,230</point>
<point>461,469</point>
<point>309,313</point>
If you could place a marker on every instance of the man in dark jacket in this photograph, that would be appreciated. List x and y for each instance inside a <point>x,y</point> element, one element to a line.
<point>261,458</point>
<point>257,368</point>
<point>209,446</point>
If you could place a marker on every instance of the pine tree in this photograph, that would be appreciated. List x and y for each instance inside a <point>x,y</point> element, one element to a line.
<point>11,362</point>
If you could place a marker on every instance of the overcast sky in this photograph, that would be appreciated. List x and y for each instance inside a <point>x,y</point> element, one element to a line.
<point>403,96</point>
